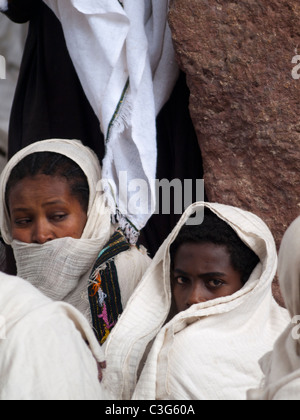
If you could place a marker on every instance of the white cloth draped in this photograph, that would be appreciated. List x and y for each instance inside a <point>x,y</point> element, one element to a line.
<point>282,366</point>
<point>48,350</point>
<point>61,268</point>
<point>3,5</point>
<point>125,60</point>
<point>210,351</point>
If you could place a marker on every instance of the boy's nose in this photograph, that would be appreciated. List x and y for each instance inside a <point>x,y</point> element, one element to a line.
<point>197,295</point>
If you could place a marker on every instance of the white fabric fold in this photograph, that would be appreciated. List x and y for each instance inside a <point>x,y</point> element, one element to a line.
<point>56,267</point>
<point>48,350</point>
<point>282,366</point>
<point>210,351</point>
<point>125,61</point>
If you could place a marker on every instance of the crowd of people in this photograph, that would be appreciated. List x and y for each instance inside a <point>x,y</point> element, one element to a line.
<point>86,310</point>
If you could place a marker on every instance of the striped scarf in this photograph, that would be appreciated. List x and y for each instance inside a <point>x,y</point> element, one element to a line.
<point>104,291</point>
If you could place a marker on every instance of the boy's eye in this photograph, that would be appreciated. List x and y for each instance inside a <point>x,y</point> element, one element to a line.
<point>182,280</point>
<point>214,283</point>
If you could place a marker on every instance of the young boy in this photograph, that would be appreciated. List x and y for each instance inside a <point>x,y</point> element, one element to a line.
<point>204,310</point>
<point>208,261</point>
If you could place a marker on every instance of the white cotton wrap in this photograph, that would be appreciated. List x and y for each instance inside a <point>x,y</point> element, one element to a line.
<point>48,350</point>
<point>282,366</point>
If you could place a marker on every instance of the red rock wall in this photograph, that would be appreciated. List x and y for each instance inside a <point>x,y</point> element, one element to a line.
<point>244,103</point>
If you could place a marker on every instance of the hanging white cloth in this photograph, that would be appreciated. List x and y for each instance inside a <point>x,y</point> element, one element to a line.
<point>210,351</point>
<point>3,5</point>
<point>48,350</point>
<point>282,366</point>
<point>124,57</point>
<point>61,268</point>
<point>12,40</point>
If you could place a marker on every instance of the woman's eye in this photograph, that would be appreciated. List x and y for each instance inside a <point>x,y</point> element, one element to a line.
<point>59,217</point>
<point>22,222</point>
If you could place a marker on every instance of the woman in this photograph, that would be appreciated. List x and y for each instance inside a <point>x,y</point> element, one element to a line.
<point>55,218</point>
<point>282,366</point>
<point>205,348</point>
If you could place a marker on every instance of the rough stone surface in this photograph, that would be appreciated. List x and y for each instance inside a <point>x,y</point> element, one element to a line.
<point>245,104</point>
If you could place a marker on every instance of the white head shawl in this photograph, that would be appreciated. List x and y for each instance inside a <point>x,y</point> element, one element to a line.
<point>209,351</point>
<point>98,215</point>
<point>56,266</point>
<point>282,366</point>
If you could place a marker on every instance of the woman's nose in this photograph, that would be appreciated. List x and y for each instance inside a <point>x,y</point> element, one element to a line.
<point>42,233</point>
<point>197,295</point>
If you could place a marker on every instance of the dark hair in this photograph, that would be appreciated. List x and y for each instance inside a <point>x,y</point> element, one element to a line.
<point>51,164</point>
<point>215,230</point>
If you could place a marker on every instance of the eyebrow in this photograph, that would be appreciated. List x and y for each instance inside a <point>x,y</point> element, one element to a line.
<point>54,202</point>
<point>50,203</point>
<point>19,209</point>
<point>212,274</point>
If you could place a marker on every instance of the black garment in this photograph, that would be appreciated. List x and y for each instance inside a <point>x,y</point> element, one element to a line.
<point>49,100</point>
<point>50,103</point>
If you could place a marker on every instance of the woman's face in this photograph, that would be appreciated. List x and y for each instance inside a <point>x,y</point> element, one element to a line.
<point>42,209</point>
<point>203,272</point>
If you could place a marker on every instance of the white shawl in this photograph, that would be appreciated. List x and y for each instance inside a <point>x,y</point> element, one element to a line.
<point>282,366</point>
<point>43,347</point>
<point>124,57</point>
<point>209,351</point>
<point>61,268</point>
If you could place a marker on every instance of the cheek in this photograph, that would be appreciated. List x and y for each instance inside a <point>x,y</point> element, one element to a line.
<point>22,235</point>
<point>236,287</point>
<point>235,282</point>
<point>75,226</point>
<point>81,223</point>
<point>179,298</point>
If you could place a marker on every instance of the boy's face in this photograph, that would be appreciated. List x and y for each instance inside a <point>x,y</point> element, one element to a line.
<point>202,272</point>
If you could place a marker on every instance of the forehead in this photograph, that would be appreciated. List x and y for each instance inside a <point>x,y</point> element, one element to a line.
<point>38,189</point>
<point>204,257</point>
